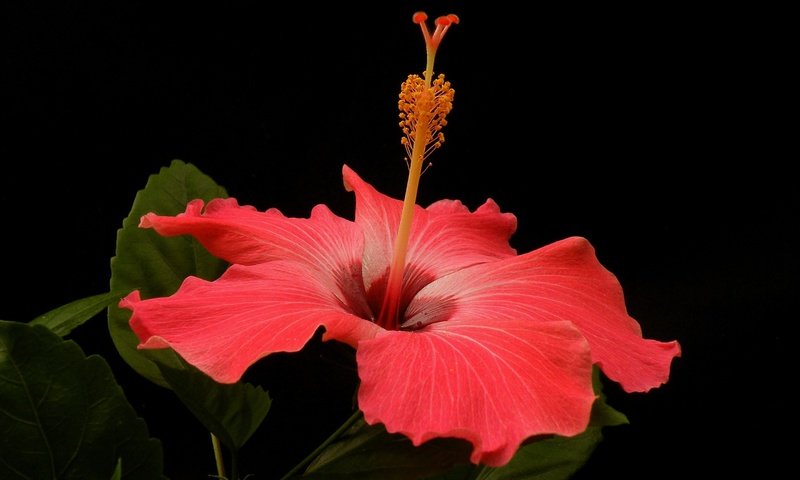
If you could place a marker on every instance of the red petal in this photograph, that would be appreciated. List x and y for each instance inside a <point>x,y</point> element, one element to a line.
<point>445,237</point>
<point>243,235</point>
<point>493,384</point>
<point>223,327</point>
<point>562,281</point>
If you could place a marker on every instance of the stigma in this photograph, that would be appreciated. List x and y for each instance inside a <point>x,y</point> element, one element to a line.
<point>442,24</point>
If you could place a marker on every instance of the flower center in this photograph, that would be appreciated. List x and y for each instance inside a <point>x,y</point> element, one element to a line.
<point>424,103</point>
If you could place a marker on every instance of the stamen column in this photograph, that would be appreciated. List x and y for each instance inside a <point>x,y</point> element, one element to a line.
<point>423,104</point>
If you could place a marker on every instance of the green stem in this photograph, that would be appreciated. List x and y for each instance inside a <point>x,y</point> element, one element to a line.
<point>234,465</point>
<point>338,433</point>
<point>218,456</point>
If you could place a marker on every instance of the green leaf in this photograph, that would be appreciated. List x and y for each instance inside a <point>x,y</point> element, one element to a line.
<point>117,471</point>
<point>604,415</point>
<point>157,265</point>
<point>65,318</point>
<point>556,458</point>
<point>369,452</point>
<point>63,416</point>
<point>231,412</point>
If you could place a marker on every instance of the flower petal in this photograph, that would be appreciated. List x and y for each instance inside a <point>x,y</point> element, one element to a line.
<point>445,237</point>
<point>243,235</point>
<point>494,383</point>
<point>240,234</point>
<point>223,327</point>
<point>562,281</point>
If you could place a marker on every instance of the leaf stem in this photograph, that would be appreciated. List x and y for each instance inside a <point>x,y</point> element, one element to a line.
<point>234,465</point>
<point>218,456</point>
<point>338,433</point>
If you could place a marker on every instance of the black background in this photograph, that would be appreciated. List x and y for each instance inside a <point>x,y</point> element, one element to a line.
<point>645,129</point>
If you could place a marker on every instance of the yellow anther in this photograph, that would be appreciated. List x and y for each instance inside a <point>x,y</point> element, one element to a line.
<point>423,110</point>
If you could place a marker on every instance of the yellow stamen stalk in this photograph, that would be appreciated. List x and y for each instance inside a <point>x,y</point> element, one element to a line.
<point>424,103</point>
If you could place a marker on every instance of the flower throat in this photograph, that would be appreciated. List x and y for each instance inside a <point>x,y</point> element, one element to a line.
<point>424,103</point>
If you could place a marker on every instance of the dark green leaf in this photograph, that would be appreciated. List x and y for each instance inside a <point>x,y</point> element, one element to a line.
<point>117,471</point>
<point>65,318</point>
<point>604,415</point>
<point>369,452</point>
<point>63,416</point>
<point>157,265</point>
<point>231,412</point>
<point>555,458</point>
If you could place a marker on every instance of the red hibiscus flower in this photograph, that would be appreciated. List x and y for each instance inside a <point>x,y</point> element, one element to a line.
<point>456,335</point>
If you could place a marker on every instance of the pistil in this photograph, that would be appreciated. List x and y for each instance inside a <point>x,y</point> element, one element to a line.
<point>424,103</point>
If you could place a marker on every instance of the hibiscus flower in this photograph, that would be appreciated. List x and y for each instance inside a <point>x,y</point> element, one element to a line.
<point>456,335</point>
